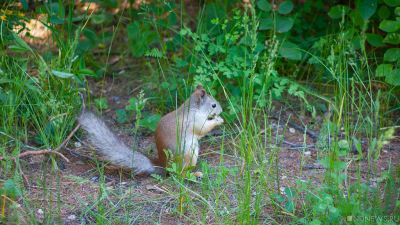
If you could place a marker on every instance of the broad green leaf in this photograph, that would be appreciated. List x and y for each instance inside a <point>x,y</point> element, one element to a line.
<point>61,74</point>
<point>122,116</point>
<point>392,3</point>
<point>291,51</point>
<point>392,38</point>
<point>284,24</point>
<point>285,7</point>
<point>133,103</point>
<point>367,8</point>
<point>384,12</point>
<point>266,24</point>
<point>383,70</point>
<point>375,40</point>
<point>150,122</point>
<point>337,11</point>
<point>264,5</point>
<point>10,189</point>
<point>393,78</point>
<point>389,25</point>
<point>392,55</point>
<point>397,11</point>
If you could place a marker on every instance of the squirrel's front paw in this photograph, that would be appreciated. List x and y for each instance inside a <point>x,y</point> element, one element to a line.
<point>219,120</point>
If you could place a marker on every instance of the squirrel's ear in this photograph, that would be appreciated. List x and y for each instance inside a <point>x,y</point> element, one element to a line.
<point>199,94</point>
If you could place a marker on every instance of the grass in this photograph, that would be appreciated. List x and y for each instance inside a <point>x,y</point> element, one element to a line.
<point>245,176</point>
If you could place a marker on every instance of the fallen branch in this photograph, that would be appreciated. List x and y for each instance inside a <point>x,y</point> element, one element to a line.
<point>39,152</point>
<point>49,151</point>
<point>68,138</point>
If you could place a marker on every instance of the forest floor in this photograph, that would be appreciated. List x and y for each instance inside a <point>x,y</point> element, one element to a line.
<point>78,185</point>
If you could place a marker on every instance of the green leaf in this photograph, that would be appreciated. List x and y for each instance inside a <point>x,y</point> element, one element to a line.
<point>392,38</point>
<point>392,55</point>
<point>87,72</point>
<point>99,18</point>
<point>154,52</point>
<point>392,3</point>
<point>285,7</point>
<point>266,24</point>
<point>122,116</point>
<point>290,193</point>
<point>10,189</point>
<point>397,11</point>
<point>284,24</point>
<point>24,4</point>
<point>367,8</point>
<point>393,78</point>
<point>384,12</point>
<point>389,25</point>
<point>291,51</point>
<point>133,102</point>
<point>264,5</point>
<point>375,40</point>
<point>315,222</point>
<point>101,103</point>
<point>21,43</point>
<point>383,70</point>
<point>150,122</point>
<point>337,11</point>
<point>344,144</point>
<point>61,74</point>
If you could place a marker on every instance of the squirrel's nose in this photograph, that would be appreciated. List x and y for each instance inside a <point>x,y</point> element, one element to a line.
<point>214,105</point>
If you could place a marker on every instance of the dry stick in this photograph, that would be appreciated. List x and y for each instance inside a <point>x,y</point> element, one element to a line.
<point>40,152</point>
<point>68,137</point>
<point>55,151</point>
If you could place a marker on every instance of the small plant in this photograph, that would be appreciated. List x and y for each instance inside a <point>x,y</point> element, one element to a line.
<point>9,192</point>
<point>137,105</point>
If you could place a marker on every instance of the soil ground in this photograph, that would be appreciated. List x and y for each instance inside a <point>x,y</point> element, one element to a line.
<point>77,185</point>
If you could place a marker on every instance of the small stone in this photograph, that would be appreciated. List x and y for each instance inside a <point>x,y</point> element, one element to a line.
<point>94,179</point>
<point>284,177</point>
<point>71,217</point>
<point>40,211</point>
<point>292,130</point>
<point>307,153</point>
<point>150,187</point>
<point>282,190</point>
<point>78,144</point>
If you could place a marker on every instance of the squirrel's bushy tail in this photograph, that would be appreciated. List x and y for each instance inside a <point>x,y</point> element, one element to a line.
<point>108,145</point>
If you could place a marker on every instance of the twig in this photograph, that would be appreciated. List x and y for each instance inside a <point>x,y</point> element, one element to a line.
<point>47,151</point>
<point>68,138</point>
<point>40,152</point>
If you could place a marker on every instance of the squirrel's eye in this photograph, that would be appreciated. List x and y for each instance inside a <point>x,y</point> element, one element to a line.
<point>214,105</point>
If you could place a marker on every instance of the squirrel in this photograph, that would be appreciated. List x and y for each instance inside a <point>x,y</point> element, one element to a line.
<point>178,131</point>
